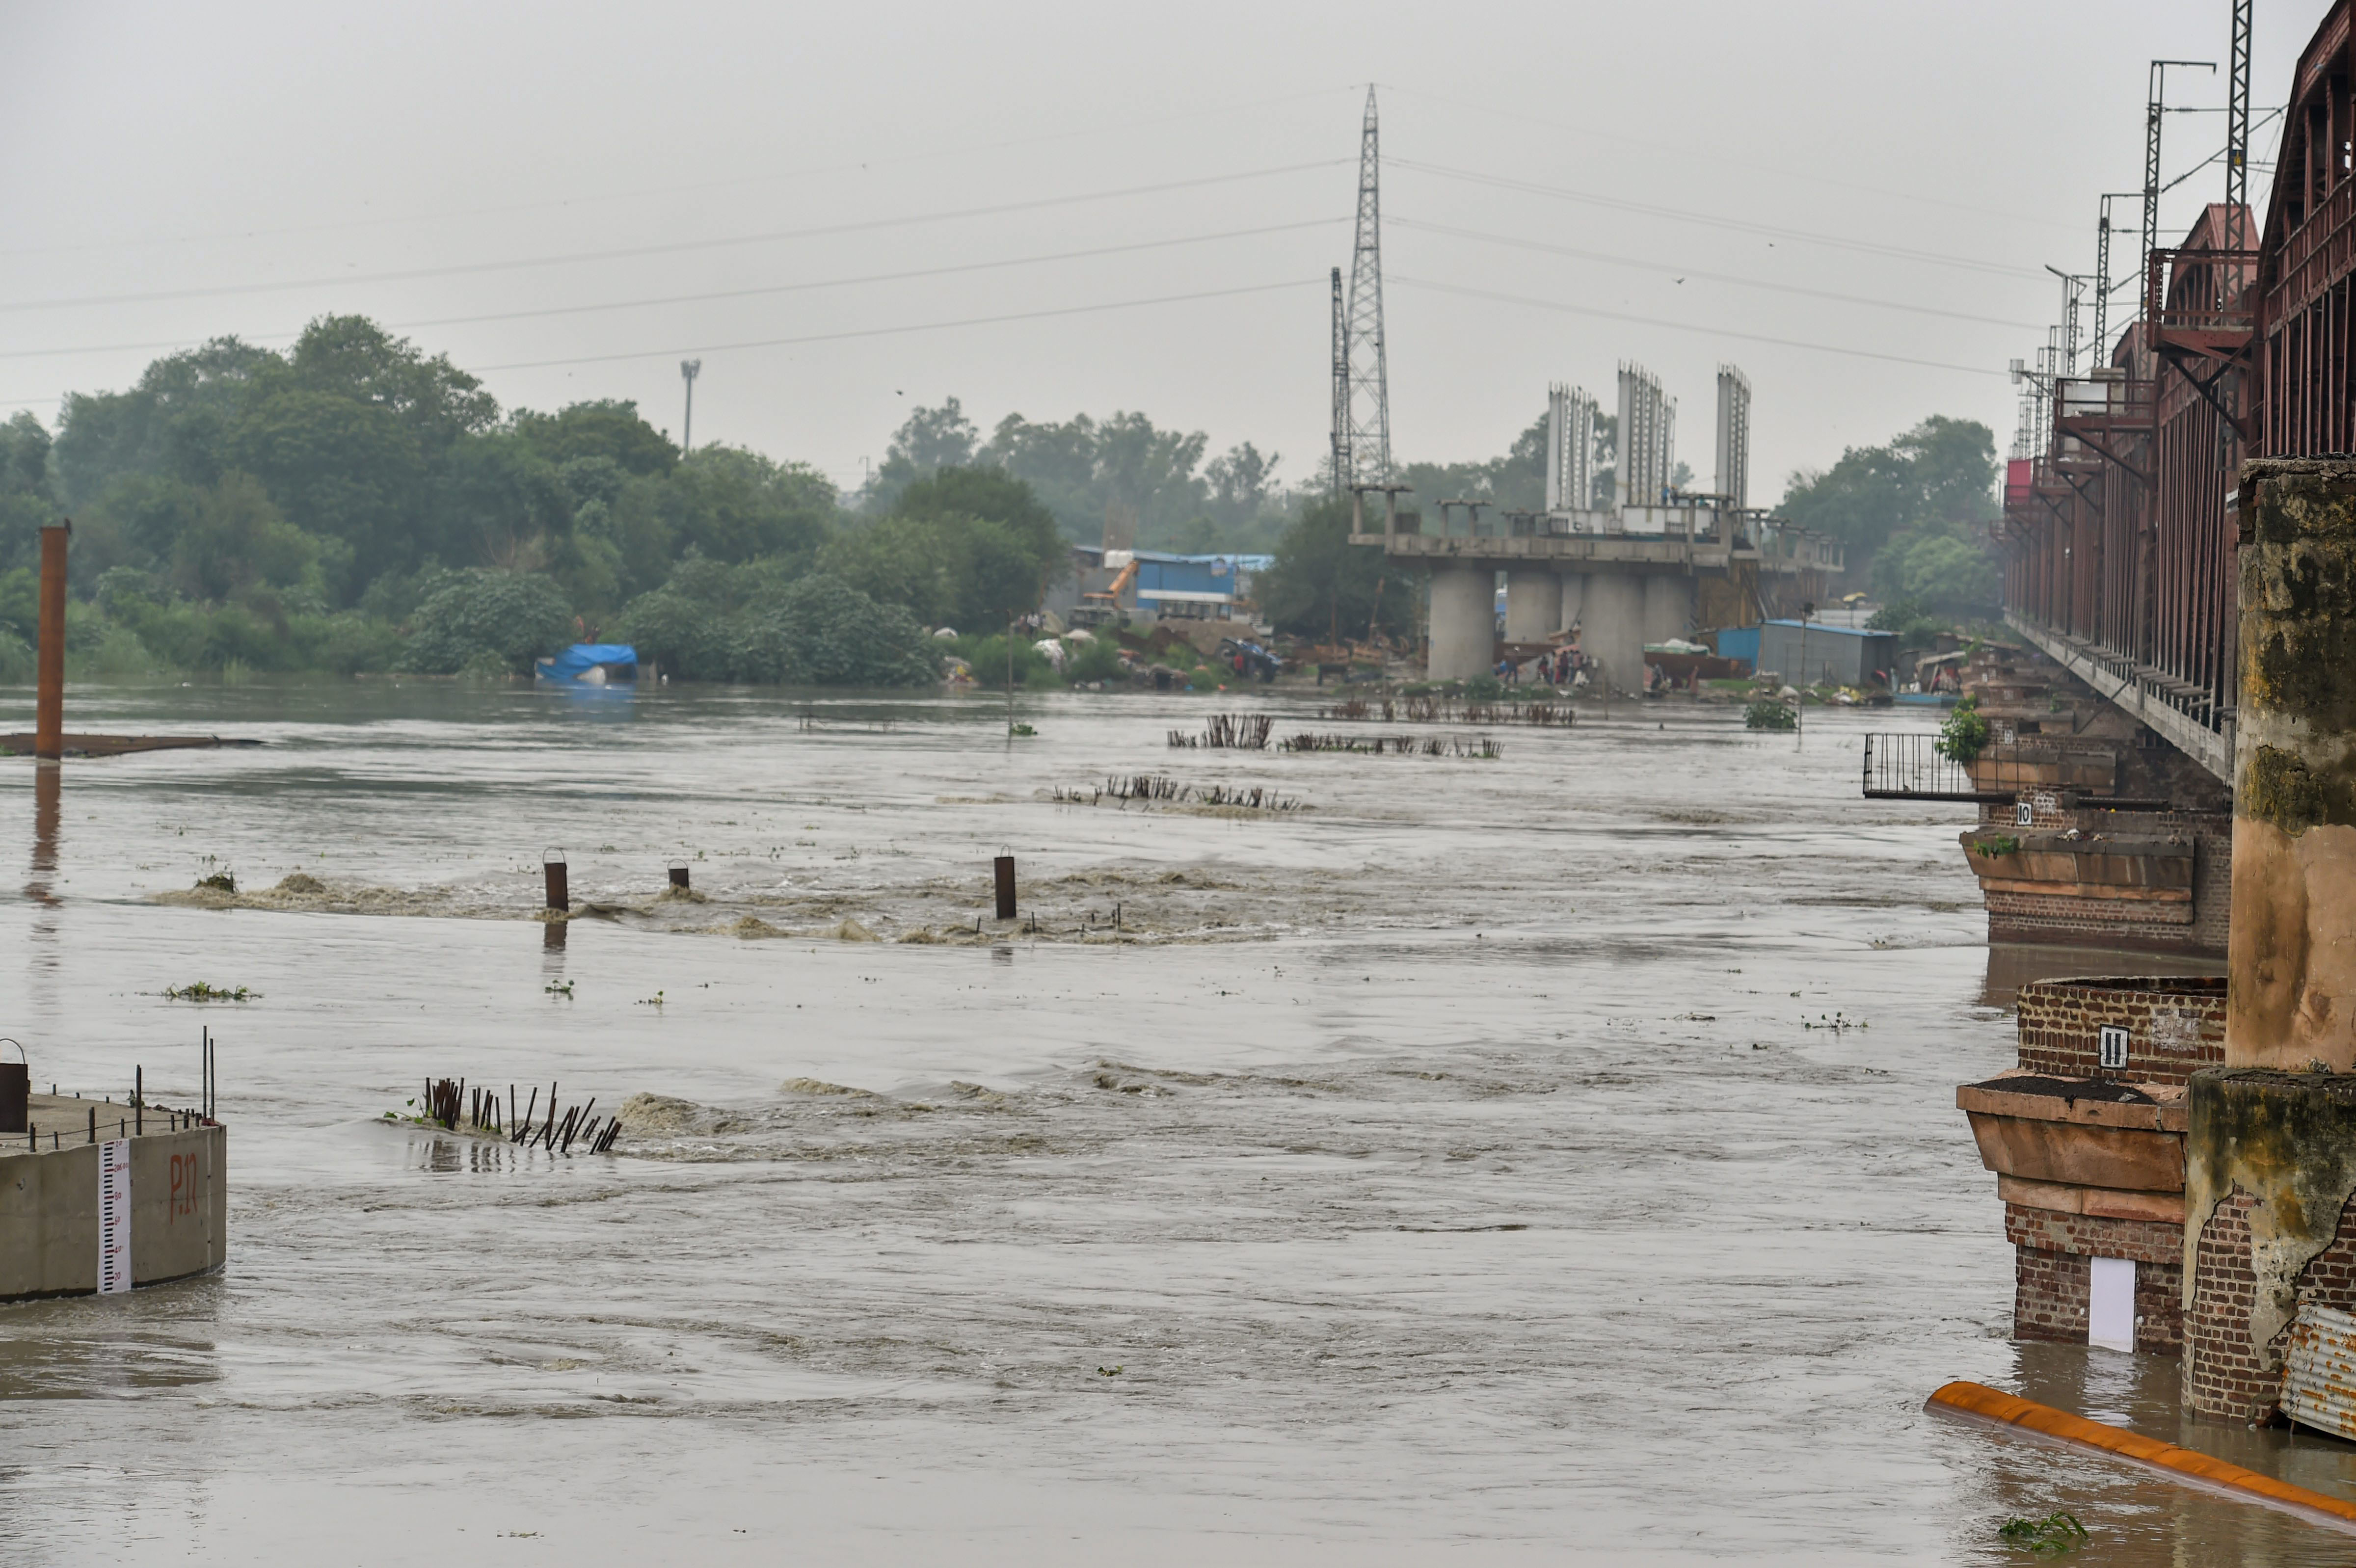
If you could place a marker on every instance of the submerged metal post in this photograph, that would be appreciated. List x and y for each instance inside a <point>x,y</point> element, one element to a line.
<point>1005,866</point>
<point>679,873</point>
<point>50,703</point>
<point>559,894</point>
<point>16,1092</point>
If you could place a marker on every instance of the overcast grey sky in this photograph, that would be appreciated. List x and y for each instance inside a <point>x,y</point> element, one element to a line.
<point>463,170</point>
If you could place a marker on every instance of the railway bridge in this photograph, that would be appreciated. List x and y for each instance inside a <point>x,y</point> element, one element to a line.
<point>2108,782</point>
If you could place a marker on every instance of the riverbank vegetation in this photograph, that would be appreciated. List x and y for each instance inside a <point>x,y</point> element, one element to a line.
<point>357,503</point>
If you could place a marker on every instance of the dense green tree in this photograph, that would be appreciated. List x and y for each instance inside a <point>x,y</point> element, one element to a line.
<point>1321,583</point>
<point>736,504</point>
<point>928,440</point>
<point>173,424</point>
<point>236,540</point>
<point>608,431</point>
<point>490,621</point>
<point>1910,513</point>
<point>822,631</point>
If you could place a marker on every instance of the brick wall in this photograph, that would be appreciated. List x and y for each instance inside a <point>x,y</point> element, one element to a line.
<point>2225,1375</point>
<point>2176,1025</point>
<point>2049,1274</point>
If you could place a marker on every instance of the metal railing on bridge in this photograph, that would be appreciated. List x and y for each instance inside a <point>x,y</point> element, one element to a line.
<point>1911,767</point>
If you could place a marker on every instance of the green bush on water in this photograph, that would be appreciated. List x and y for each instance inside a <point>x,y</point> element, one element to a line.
<point>2048,1537</point>
<point>1770,714</point>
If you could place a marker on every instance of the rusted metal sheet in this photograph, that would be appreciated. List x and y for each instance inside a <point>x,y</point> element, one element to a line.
<point>2320,1370</point>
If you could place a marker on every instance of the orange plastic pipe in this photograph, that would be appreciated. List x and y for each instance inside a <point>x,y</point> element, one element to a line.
<point>49,695</point>
<point>1974,1399</point>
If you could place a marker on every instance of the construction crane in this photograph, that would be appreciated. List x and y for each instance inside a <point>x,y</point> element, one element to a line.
<point>1100,605</point>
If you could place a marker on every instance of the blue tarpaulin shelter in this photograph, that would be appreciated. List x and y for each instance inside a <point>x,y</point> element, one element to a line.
<point>617,661</point>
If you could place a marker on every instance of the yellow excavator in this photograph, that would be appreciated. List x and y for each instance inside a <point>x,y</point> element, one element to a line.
<point>1102,604</point>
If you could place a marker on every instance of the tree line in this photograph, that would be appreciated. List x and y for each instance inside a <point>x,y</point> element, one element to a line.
<point>354,503</point>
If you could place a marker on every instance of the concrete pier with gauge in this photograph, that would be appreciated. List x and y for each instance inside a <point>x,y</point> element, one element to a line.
<point>99,1196</point>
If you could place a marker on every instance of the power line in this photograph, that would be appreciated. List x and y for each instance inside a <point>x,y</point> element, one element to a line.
<point>630,252</point>
<point>892,331</point>
<point>1688,326</point>
<point>1191,116</point>
<point>727,294</point>
<point>1717,158</point>
<point>1707,220</point>
<point>1682,272</point>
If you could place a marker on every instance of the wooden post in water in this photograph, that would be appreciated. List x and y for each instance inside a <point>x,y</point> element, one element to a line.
<point>49,702</point>
<point>559,894</point>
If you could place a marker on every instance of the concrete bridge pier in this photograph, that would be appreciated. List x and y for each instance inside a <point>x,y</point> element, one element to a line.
<point>1613,627</point>
<point>2270,1151</point>
<point>1668,608</point>
<point>1574,599</point>
<point>1464,622</point>
<point>1533,603</point>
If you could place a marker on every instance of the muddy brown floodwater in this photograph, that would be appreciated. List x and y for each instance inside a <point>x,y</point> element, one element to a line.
<point>1519,1160</point>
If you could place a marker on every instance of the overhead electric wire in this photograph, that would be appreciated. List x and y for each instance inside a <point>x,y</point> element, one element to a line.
<point>1686,326</point>
<point>1707,220</point>
<point>731,294</point>
<point>673,248</point>
<point>892,331</point>
<point>1395,221</point>
<point>1717,157</point>
<point>1193,115</point>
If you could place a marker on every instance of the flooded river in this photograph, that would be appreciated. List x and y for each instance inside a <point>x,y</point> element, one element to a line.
<point>1540,1157</point>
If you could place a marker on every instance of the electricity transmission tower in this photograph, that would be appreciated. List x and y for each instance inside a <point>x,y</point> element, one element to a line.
<point>689,370</point>
<point>1369,423</point>
<point>2237,130</point>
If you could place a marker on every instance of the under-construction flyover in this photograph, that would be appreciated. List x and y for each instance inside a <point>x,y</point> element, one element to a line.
<point>1648,563</point>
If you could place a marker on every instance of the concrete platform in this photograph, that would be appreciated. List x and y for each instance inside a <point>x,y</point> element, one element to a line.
<point>49,1196</point>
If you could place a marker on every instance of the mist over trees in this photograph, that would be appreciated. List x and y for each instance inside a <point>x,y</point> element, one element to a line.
<point>1081,468</point>
<point>354,503</point>
<point>1913,515</point>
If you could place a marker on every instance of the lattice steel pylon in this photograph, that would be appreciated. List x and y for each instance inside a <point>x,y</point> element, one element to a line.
<point>1369,392</point>
<point>2237,129</point>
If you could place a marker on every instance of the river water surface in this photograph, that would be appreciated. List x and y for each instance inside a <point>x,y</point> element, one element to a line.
<point>1547,1157</point>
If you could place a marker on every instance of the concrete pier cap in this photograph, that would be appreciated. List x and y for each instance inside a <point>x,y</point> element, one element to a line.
<point>2270,1156</point>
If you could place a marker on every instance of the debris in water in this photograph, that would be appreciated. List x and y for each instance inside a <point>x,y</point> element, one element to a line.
<point>2051,1536</point>
<point>1229,731</point>
<point>202,991</point>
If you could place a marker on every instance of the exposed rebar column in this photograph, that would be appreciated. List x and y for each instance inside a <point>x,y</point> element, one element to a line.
<point>49,702</point>
<point>1732,480</point>
<point>2270,1152</point>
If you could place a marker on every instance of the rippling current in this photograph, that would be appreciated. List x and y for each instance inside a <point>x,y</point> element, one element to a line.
<point>1546,1157</point>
